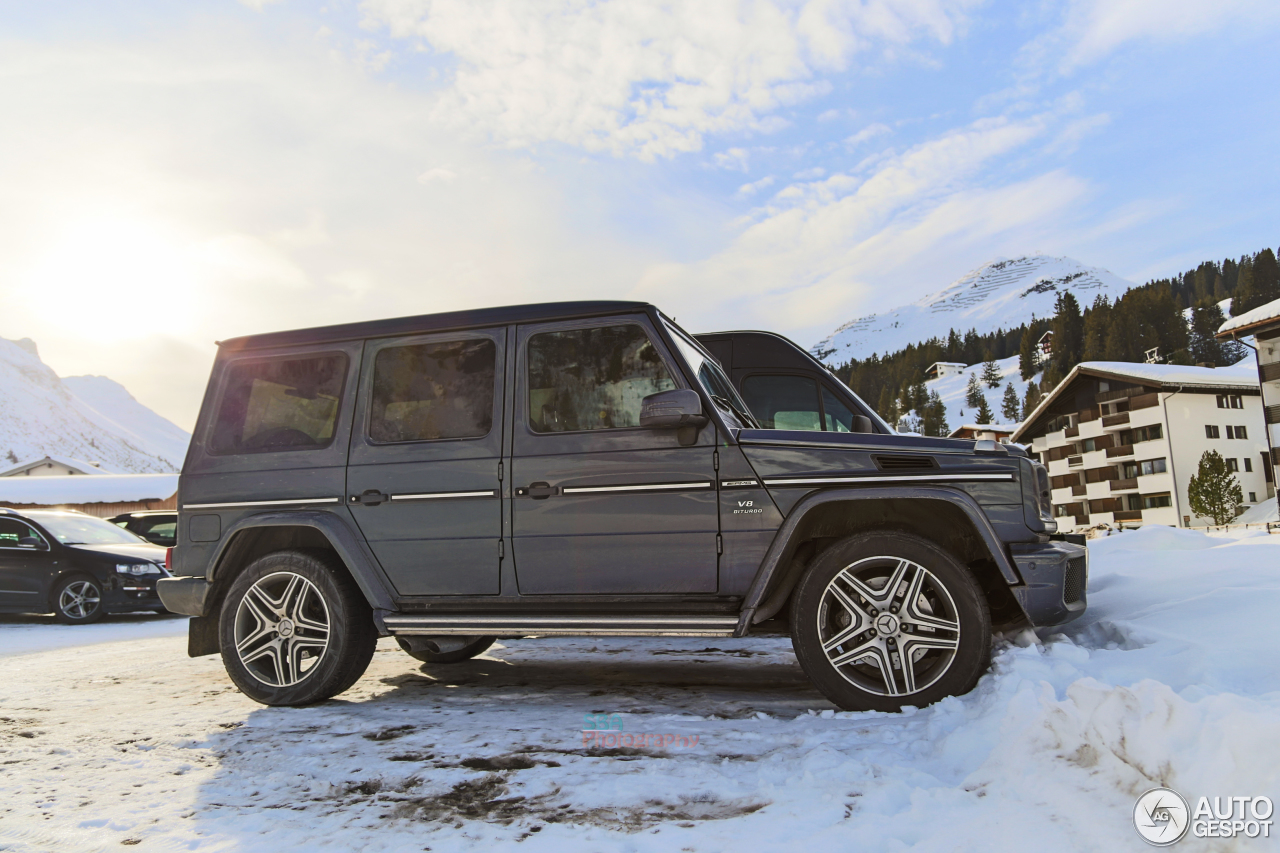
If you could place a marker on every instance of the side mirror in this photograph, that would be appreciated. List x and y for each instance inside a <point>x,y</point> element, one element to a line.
<point>31,542</point>
<point>672,410</point>
<point>861,423</point>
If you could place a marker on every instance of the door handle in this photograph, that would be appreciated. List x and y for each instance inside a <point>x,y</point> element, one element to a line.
<point>370,497</point>
<point>538,491</point>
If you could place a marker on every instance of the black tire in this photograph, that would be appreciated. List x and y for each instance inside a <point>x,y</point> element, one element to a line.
<point>77,600</point>
<point>476,646</point>
<point>279,607</point>
<point>839,611</point>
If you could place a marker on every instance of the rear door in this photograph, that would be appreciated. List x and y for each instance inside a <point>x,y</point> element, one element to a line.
<point>426,450</point>
<point>600,505</point>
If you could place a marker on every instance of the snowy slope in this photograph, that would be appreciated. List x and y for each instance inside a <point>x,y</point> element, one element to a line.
<point>41,415</point>
<point>1166,680</point>
<point>1000,294</point>
<point>952,391</point>
<point>107,402</point>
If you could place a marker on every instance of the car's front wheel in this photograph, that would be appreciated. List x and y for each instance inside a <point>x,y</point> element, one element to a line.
<point>77,600</point>
<point>885,620</point>
<point>295,629</point>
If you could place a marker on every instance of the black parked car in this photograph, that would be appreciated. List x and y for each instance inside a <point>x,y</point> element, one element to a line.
<point>157,526</point>
<point>589,468</point>
<point>75,566</point>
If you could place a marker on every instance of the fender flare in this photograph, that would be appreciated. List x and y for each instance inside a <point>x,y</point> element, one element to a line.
<point>351,549</point>
<point>781,546</point>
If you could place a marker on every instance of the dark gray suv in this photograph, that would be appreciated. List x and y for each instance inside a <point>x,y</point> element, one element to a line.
<point>589,468</point>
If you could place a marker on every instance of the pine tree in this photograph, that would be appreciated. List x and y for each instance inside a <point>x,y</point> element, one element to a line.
<point>1031,400</point>
<point>1243,298</point>
<point>1027,354</point>
<point>1266,278</point>
<point>1068,333</point>
<point>935,416</point>
<point>973,391</point>
<point>1204,346</point>
<point>1097,322</point>
<point>919,397</point>
<point>991,373</point>
<point>1214,491</point>
<point>887,407</point>
<point>984,413</point>
<point>11,457</point>
<point>1009,405</point>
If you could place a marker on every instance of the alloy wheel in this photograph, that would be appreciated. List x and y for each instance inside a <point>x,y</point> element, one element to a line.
<point>282,629</point>
<point>80,599</point>
<point>888,626</point>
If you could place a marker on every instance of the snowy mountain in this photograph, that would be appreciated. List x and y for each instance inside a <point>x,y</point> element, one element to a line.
<point>85,417</point>
<point>999,294</point>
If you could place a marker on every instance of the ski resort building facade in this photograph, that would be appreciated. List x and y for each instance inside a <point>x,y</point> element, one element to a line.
<point>1263,323</point>
<point>1122,441</point>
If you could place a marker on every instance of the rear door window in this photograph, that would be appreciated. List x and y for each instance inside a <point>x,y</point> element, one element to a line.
<point>285,403</point>
<point>428,392</point>
<point>783,402</point>
<point>590,379</point>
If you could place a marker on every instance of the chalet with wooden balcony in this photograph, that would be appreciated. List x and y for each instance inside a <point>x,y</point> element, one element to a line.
<point>1263,325</point>
<point>1121,441</point>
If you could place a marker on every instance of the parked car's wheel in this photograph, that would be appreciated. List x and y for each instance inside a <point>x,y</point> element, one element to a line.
<point>884,620</point>
<point>448,649</point>
<point>77,600</point>
<point>295,629</point>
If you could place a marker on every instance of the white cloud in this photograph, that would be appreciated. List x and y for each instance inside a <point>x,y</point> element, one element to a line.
<point>808,261</point>
<point>868,133</point>
<point>649,77</point>
<point>259,5</point>
<point>754,187</point>
<point>1093,29</point>
<point>737,159</point>
<point>441,174</point>
<point>809,174</point>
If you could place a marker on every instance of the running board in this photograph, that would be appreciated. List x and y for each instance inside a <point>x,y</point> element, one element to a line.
<point>515,625</point>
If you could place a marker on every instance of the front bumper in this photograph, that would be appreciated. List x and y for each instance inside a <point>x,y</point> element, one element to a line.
<point>183,595</point>
<point>1055,578</point>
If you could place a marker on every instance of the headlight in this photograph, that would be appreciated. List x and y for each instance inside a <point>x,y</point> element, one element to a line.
<point>137,569</point>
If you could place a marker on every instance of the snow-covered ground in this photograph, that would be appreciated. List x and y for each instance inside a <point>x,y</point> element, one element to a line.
<point>952,390</point>
<point>1169,679</point>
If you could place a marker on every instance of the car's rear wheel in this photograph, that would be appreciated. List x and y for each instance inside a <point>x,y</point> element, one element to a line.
<point>295,629</point>
<point>885,620</point>
<point>446,649</point>
<point>77,600</point>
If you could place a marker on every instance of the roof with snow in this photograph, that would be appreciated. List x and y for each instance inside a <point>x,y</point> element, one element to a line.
<point>1252,321</point>
<point>1007,429</point>
<point>109,488</point>
<point>74,464</point>
<point>1242,376</point>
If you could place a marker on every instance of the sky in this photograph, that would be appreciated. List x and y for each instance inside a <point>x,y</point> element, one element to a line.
<point>177,174</point>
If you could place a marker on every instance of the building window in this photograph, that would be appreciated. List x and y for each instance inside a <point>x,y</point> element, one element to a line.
<point>1130,470</point>
<point>1248,465</point>
<point>1236,402</point>
<point>1233,464</point>
<point>1133,502</point>
<point>1222,401</point>
<point>1156,501</point>
<point>1237,432</point>
<point>1253,497</point>
<point>1152,466</point>
<point>1210,431</point>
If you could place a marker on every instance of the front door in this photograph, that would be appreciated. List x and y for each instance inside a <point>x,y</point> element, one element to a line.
<point>423,480</point>
<point>26,566</point>
<point>600,505</point>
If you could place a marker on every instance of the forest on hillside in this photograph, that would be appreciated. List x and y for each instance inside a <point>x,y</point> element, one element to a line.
<point>1152,316</point>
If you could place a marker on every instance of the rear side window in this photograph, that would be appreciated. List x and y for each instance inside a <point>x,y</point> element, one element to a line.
<point>286,403</point>
<point>585,379</point>
<point>433,391</point>
<point>783,402</point>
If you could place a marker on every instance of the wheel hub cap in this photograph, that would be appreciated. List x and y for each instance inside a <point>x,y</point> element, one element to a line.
<point>886,624</point>
<point>282,629</point>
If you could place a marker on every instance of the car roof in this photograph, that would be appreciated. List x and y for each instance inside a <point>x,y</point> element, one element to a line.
<point>472,319</point>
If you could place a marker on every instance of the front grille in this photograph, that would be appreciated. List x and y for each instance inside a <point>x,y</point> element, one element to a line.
<point>1073,584</point>
<point>903,462</point>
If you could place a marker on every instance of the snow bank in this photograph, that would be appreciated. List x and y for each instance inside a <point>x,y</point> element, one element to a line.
<point>1261,513</point>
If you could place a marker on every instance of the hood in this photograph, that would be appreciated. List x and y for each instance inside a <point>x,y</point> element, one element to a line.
<point>140,553</point>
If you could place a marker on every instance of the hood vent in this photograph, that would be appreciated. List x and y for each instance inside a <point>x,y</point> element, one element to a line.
<point>903,462</point>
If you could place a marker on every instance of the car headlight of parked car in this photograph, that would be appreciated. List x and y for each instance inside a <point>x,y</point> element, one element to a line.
<point>138,569</point>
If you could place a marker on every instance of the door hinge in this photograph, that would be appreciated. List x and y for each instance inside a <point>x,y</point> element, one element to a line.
<point>499,472</point>
<point>715,459</point>
<point>719,544</point>
<point>502,549</point>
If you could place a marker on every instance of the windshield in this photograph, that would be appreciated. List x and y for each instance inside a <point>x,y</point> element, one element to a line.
<point>72,529</point>
<point>711,376</point>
